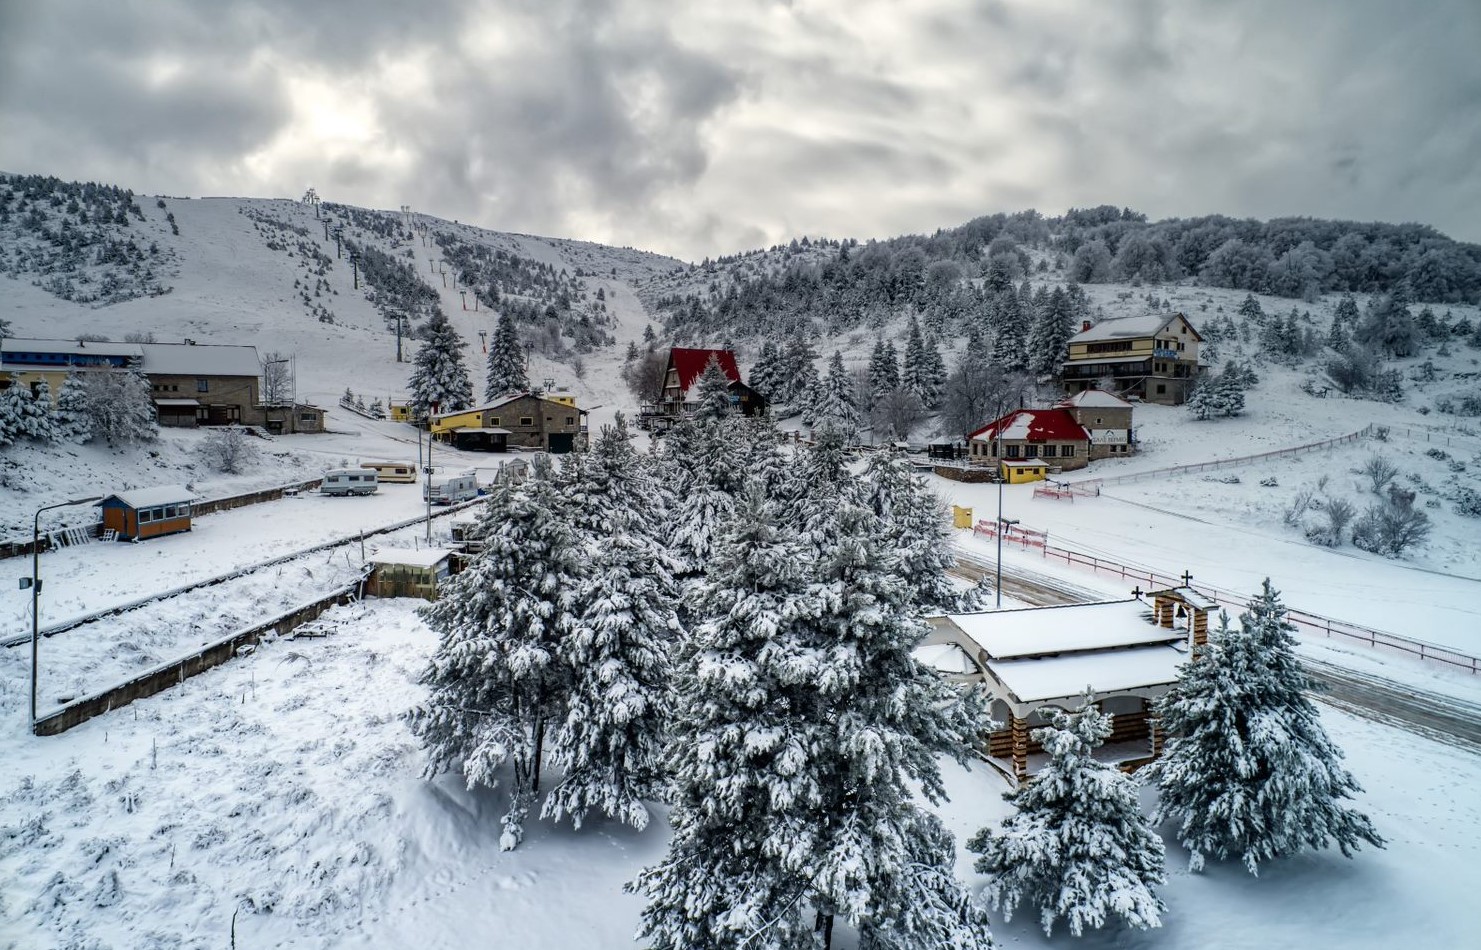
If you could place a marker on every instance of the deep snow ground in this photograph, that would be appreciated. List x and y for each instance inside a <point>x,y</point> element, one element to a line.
<point>285,788</point>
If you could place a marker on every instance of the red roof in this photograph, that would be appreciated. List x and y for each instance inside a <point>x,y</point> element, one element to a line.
<point>690,363</point>
<point>1034,425</point>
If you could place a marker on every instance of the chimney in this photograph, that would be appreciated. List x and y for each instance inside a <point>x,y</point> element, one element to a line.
<point>1084,326</point>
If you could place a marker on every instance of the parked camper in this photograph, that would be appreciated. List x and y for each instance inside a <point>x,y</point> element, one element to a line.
<point>403,472</point>
<point>449,489</point>
<point>349,481</point>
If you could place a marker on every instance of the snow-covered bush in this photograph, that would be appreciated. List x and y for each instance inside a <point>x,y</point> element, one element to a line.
<point>1391,526</point>
<point>1079,846</point>
<point>1467,501</point>
<point>227,449</point>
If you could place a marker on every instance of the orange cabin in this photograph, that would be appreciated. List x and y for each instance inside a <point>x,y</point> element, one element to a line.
<point>148,512</point>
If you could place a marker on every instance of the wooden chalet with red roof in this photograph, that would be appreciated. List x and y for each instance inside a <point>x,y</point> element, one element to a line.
<point>1053,435</point>
<point>685,365</point>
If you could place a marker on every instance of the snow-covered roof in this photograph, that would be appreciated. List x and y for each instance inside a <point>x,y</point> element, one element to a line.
<point>1096,399</point>
<point>487,430</point>
<point>1033,631</point>
<point>1189,596</point>
<point>1120,328</point>
<point>411,557</point>
<point>1035,425</point>
<point>1024,463</point>
<point>15,344</point>
<point>1063,677</point>
<point>200,359</point>
<point>177,402</point>
<point>945,658</point>
<point>150,497</point>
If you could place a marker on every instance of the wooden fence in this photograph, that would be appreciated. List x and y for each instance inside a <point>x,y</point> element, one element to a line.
<point>1304,620</point>
<point>1363,433</point>
<point>175,672</point>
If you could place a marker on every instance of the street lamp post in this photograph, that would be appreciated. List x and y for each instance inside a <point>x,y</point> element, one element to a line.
<point>35,585</point>
<point>1003,525</point>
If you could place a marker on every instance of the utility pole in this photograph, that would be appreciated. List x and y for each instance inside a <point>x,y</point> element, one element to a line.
<point>355,268</point>
<point>338,233</point>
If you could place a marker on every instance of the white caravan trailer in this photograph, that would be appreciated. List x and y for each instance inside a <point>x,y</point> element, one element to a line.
<point>449,489</point>
<point>349,481</point>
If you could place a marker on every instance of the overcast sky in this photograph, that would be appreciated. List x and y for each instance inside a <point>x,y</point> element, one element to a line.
<point>700,127</point>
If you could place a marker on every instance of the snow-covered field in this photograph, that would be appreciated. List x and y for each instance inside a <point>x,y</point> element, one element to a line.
<point>283,790</point>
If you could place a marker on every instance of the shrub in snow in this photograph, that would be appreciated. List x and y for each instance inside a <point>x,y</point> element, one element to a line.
<point>1269,482</point>
<point>228,449</point>
<point>1079,846</point>
<point>1380,471</point>
<point>1248,771</point>
<point>1467,502</point>
<point>1392,526</point>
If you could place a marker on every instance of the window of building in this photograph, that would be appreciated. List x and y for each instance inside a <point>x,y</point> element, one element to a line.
<point>202,386</point>
<point>1067,451</point>
<point>1161,388</point>
<point>1012,451</point>
<point>307,417</point>
<point>526,420</point>
<point>1031,451</point>
<point>493,420</point>
<point>570,420</point>
<point>1049,452</point>
<point>146,515</point>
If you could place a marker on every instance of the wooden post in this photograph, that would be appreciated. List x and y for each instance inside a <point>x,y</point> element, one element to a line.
<point>1158,735</point>
<point>1200,627</point>
<point>1020,749</point>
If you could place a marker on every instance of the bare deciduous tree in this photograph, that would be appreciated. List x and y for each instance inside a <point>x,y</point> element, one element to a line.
<point>277,380</point>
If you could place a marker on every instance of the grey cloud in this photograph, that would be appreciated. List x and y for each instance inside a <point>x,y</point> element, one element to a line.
<point>701,129</point>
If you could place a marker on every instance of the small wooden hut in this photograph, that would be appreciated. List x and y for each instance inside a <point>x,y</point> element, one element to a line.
<point>147,512</point>
<point>1029,470</point>
<point>408,572</point>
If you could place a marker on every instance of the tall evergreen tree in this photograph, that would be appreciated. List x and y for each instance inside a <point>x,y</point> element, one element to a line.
<point>712,392</point>
<point>497,680</point>
<point>1008,323</point>
<point>623,628</point>
<point>884,369</point>
<point>800,378</point>
<point>1050,337</point>
<point>439,378</point>
<point>73,418</point>
<point>913,363</point>
<point>506,361</point>
<point>835,404</point>
<point>880,725</point>
<point>1248,771</point>
<point>1347,312</point>
<point>734,875</point>
<point>935,374</point>
<point>767,371</point>
<point>915,528</point>
<point>1079,846</point>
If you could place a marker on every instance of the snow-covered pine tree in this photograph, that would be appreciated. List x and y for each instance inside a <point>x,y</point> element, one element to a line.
<point>914,371</point>
<point>497,679</point>
<point>624,628</point>
<point>440,378</point>
<point>799,377</point>
<point>1250,309</point>
<point>73,418</point>
<point>880,724</point>
<point>734,875</point>
<point>38,420</point>
<point>712,392</point>
<point>884,369</point>
<point>1008,324</point>
<point>506,362</point>
<point>12,411</point>
<point>1347,313</point>
<point>1079,846</point>
<point>1229,393</point>
<point>1050,337</point>
<point>835,405</point>
<point>1203,402</point>
<point>1248,771</point>
<point>915,529</point>
<point>766,372</point>
<point>935,373</point>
